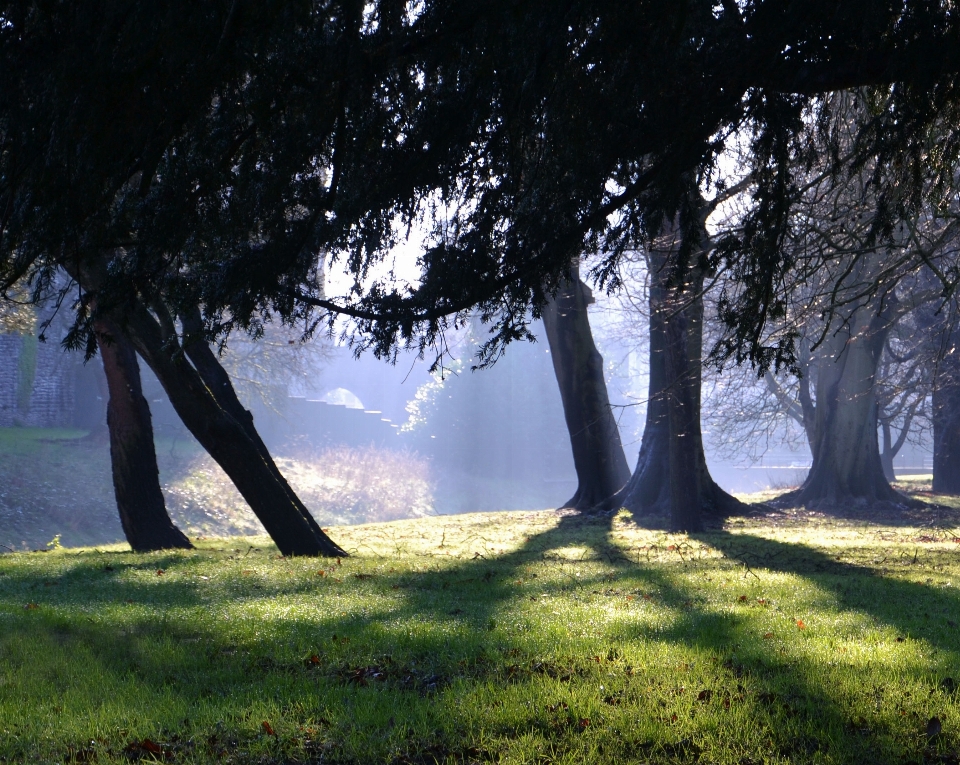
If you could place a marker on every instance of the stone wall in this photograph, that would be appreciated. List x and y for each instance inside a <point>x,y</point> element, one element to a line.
<point>53,398</point>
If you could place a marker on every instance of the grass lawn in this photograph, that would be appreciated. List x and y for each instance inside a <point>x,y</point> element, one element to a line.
<point>518,638</point>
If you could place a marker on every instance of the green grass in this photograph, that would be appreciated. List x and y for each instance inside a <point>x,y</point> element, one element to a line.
<point>517,638</point>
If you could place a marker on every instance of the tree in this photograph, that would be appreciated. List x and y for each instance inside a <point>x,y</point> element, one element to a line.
<point>946,421</point>
<point>597,451</point>
<point>161,94</point>
<point>136,480</point>
<point>204,398</point>
<point>943,336</point>
<point>671,476</point>
<point>903,387</point>
<point>527,135</point>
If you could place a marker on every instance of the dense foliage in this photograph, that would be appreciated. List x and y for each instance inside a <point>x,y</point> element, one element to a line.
<point>210,153</point>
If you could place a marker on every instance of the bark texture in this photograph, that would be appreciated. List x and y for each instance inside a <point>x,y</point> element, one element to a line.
<point>946,421</point>
<point>672,476</point>
<point>133,458</point>
<point>598,456</point>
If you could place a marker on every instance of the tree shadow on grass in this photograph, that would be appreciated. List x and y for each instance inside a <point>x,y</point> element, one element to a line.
<point>918,509</point>
<point>466,638</point>
<point>887,599</point>
<point>785,686</point>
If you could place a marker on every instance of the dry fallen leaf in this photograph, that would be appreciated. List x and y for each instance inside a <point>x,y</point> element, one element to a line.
<point>160,572</point>
<point>31,607</point>
<point>800,624</point>
<point>267,728</point>
<point>767,635</point>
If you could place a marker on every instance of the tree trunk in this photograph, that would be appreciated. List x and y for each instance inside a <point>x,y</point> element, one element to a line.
<point>846,461</point>
<point>227,440</point>
<point>946,422</point>
<point>230,440</point>
<point>218,382</point>
<point>672,476</point>
<point>683,416</point>
<point>133,458</point>
<point>598,457</point>
<point>887,453</point>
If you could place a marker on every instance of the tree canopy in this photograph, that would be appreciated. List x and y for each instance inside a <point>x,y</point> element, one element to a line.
<point>208,155</point>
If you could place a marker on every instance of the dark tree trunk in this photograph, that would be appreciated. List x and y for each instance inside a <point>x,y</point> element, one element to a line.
<point>887,453</point>
<point>136,480</point>
<point>218,382</point>
<point>208,411</point>
<point>672,477</point>
<point>598,457</point>
<point>227,440</point>
<point>846,459</point>
<point>683,416</point>
<point>946,422</point>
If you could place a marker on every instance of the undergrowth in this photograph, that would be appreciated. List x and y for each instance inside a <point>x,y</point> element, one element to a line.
<point>57,481</point>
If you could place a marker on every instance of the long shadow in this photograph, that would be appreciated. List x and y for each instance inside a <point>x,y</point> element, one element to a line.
<point>931,613</point>
<point>770,679</point>
<point>771,682</point>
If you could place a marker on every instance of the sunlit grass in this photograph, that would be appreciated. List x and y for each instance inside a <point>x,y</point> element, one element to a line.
<point>516,638</point>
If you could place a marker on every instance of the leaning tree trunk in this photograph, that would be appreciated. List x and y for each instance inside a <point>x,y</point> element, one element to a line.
<point>228,441</point>
<point>133,458</point>
<point>218,382</point>
<point>846,463</point>
<point>598,457</point>
<point>946,422</point>
<point>672,477</point>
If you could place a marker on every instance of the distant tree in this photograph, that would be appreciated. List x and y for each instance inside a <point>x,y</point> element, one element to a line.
<point>939,328</point>
<point>493,435</point>
<point>946,419</point>
<point>903,388</point>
